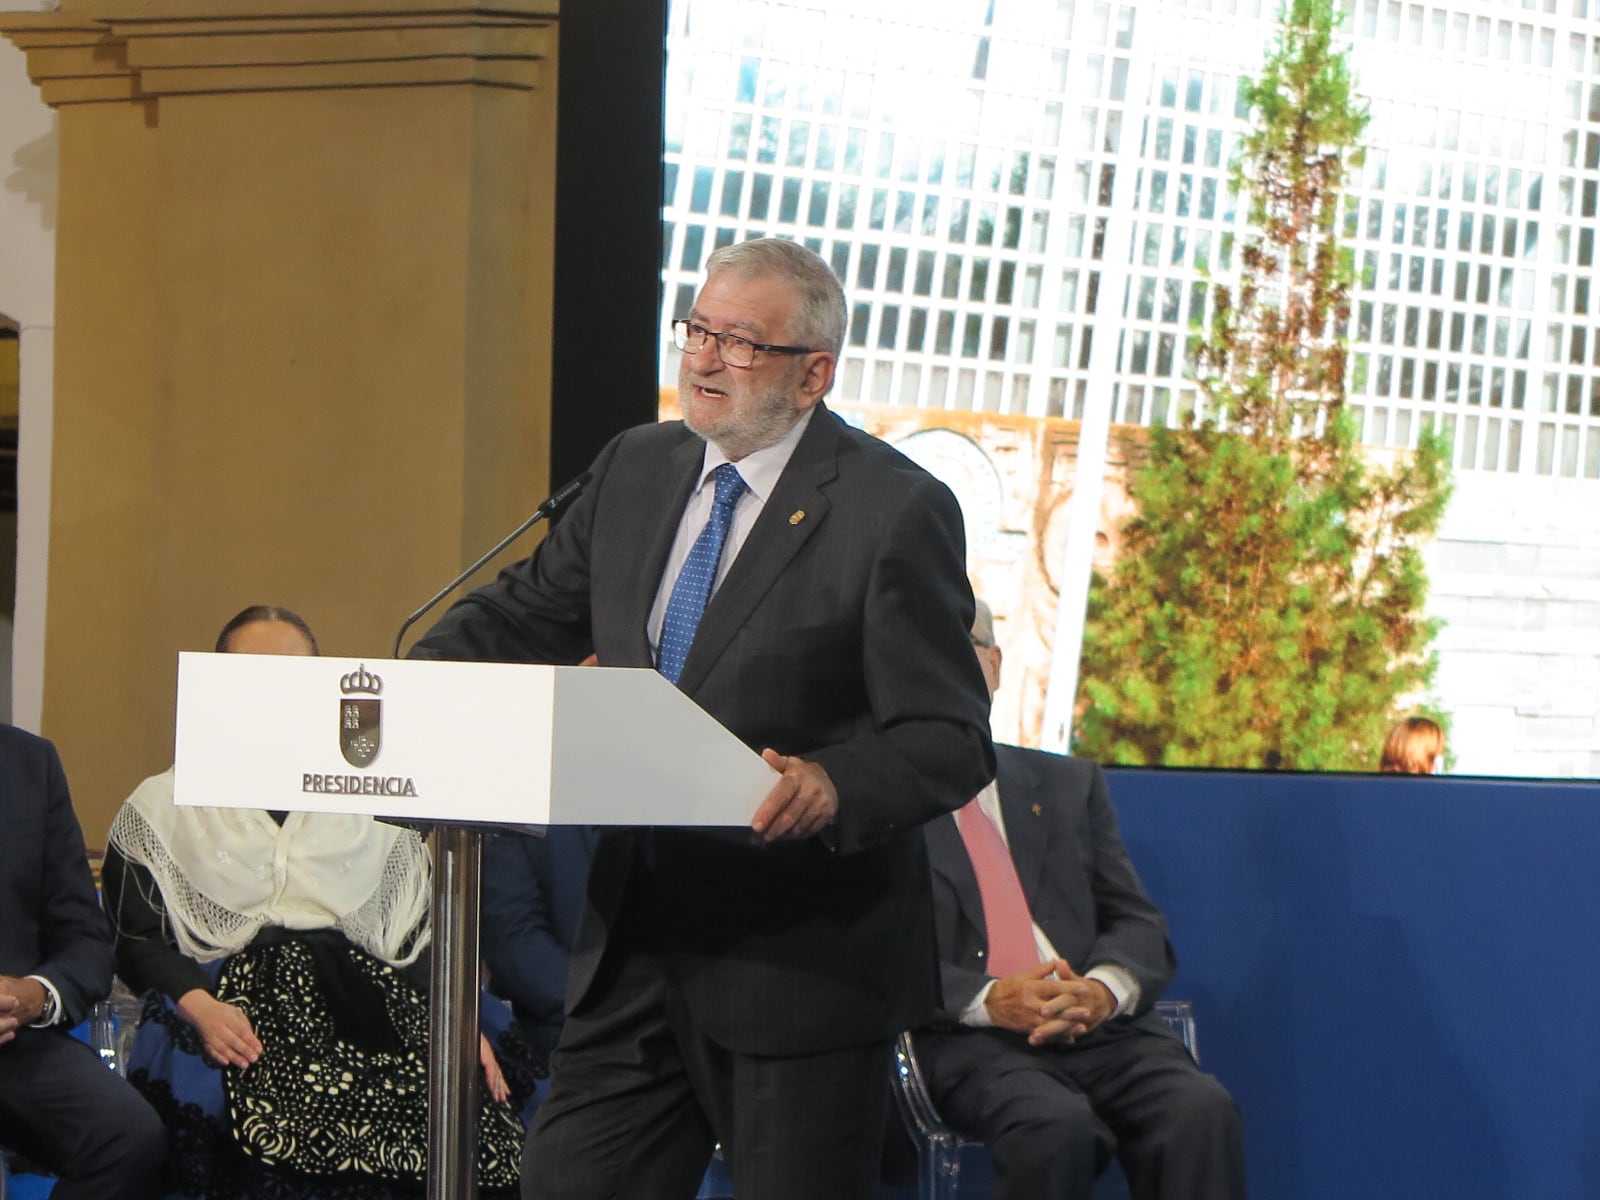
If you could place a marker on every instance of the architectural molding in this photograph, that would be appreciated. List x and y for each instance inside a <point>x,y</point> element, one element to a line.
<point>120,50</point>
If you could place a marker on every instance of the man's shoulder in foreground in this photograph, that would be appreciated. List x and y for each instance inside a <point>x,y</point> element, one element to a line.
<point>26,759</point>
<point>1036,764</point>
<point>19,741</point>
<point>657,435</point>
<point>871,450</point>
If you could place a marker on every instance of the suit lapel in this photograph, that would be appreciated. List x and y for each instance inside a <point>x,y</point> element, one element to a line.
<point>773,542</point>
<point>1022,804</point>
<point>666,494</point>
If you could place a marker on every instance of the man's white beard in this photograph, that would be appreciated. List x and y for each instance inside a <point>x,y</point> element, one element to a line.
<point>774,415</point>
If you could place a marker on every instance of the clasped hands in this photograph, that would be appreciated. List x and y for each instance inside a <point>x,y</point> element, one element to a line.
<point>21,1002</point>
<point>1050,1003</point>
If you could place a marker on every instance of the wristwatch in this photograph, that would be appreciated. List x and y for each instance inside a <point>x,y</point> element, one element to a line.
<point>51,1009</point>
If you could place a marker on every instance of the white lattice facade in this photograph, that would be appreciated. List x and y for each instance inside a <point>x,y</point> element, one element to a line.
<point>1020,196</point>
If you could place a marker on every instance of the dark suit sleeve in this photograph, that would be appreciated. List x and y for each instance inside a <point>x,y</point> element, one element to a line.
<point>75,942</point>
<point>1130,930</point>
<point>930,752</point>
<point>527,961</point>
<point>537,610</point>
<point>959,986</point>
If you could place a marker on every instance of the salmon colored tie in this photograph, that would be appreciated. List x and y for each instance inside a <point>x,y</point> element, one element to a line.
<point>1007,922</point>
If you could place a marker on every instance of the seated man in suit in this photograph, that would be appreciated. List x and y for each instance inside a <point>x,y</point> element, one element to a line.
<point>59,1105</point>
<point>533,893</point>
<point>1052,958</point>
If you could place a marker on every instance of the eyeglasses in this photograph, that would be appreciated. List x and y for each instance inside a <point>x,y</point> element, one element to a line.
<point>735,351</point>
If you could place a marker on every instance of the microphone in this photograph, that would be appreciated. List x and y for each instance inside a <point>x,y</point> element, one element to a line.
<point>558,500</point>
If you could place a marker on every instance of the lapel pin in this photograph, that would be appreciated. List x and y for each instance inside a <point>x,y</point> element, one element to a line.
<point>1038,810</point>
<point>797,516</point>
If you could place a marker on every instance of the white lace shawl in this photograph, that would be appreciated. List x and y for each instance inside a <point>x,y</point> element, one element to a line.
<point>225,873</point>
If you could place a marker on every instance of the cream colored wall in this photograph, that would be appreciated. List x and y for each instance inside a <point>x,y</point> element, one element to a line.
<point>27,194</point>
<point>27,296</point>
<point>302,338</point>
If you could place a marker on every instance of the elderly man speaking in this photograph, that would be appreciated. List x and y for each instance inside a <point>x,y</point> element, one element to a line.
<point>806,585</point>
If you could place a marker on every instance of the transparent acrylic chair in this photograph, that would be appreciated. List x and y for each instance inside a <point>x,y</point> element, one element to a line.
<point>951,1167</point>
<point>112,1025</point>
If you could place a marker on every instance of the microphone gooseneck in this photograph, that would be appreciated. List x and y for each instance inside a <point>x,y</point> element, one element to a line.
<point>557,500</point>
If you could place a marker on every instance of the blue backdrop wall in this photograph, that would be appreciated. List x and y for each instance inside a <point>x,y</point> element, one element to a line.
<point>1397,978</point>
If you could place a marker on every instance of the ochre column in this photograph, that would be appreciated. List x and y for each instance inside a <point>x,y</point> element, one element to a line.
<point>304,267</point>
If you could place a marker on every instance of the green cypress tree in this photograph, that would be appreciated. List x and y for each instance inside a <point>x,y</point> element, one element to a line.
<point>1266,605</point>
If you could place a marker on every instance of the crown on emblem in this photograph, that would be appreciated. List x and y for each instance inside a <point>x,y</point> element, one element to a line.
<point>361,680</point>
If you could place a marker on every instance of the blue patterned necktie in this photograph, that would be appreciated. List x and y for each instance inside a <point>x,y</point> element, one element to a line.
<point>693,586</point>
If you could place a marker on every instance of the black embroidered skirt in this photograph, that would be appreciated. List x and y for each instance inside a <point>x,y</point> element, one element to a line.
<point>337,1103</point>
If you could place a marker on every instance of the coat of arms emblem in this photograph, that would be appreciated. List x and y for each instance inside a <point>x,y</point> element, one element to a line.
<point>360,716</point>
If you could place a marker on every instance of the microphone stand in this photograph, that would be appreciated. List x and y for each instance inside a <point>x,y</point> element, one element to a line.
<point>453,976</point>
<point>549,508</point>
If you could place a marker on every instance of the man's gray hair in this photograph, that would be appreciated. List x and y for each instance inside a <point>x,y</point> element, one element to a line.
<point>983,625</point>
<point>821,318</point>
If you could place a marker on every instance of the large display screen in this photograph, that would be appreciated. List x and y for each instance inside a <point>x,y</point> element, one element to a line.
<point>1031,205</point>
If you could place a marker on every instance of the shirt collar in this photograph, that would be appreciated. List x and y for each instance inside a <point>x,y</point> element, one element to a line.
<point>761,468</point>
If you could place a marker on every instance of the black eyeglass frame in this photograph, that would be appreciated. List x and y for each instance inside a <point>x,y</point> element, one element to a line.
<point>680,335</point>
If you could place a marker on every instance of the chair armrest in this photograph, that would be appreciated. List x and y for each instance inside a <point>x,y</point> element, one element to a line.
<point>911,1094</point>
<point>1179,1016</point>
<point>111,1026</point>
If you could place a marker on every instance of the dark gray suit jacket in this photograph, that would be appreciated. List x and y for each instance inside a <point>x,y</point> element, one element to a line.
<point>50,918</point>
<point>839,634</point>
<point>1081,888</point>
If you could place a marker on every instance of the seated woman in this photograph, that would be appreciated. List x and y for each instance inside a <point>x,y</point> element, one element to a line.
<point>285,1037</point>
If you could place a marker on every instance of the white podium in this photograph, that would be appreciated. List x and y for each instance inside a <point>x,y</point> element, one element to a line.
<point>456,747</point>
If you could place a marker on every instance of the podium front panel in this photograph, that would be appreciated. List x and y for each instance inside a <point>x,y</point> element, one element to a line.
<point>492,743</point>
<point>385,737</point>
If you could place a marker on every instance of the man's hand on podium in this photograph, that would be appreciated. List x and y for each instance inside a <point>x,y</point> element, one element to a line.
<point>802,804</point>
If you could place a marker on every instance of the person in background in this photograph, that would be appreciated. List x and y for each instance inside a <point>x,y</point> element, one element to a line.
<point>1413,747</point>
<point>285,1034</point>
<point>59,1105</point>
<point>533,890</point>
<point>1052,958</point>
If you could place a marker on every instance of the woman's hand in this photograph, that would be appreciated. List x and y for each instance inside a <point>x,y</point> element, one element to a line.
<point>498,1088</point>
<point>224,1029</point>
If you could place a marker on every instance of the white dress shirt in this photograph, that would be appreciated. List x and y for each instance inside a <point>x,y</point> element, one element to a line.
<point>760,471</point>
<point>1124,988</point>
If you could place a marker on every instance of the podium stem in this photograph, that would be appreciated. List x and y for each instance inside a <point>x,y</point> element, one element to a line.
<point>453,1001</point>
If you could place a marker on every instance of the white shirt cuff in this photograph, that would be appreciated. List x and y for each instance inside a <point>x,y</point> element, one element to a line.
<point>53,1009</point>
<point>1124,988</point>
<point>976,1013</point>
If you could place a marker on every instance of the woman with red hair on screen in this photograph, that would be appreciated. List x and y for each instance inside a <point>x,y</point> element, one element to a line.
<point>1413,747</point>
